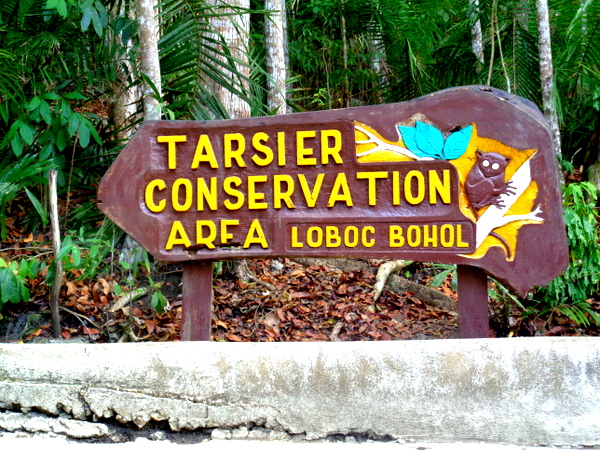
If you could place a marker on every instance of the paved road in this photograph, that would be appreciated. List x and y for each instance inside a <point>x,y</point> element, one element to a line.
<point>17,440</point>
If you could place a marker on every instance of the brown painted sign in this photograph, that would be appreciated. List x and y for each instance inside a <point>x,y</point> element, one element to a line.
<point>464,176</point>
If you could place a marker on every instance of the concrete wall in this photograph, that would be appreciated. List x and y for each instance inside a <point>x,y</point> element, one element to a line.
<point>535,391</point>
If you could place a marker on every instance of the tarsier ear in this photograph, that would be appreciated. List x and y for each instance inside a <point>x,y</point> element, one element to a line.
<point>507,159</point>
<point>478,152</point>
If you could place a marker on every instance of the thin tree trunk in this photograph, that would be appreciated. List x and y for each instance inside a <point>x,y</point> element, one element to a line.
<point>148,36</point>
<point>477,37</point>
<point>547,71</point>
<point>275,43</point>
<point>346,93</point>
<point>58,269</point>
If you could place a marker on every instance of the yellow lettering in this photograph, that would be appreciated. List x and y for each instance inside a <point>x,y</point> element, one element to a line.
<point>177,236</point>
<point>258,141</point>
<point>436,186</point>
<point>447,236</point>
<point>255,235</point>
<point>229,190</point>
<point>365,241</point>
<point>229,154</point>
<point>176,194</point>
<point>204,153</point>
<point>314,237</point>
<point>351,236</point>
<point>212,233</point>
<point>254,198</point>
<point>295,243</point>
<point>459,241</point>
<point>204,193</point>
<point>281,148</point>
<point>430,236</point>
<point>395,188</point>
<point>171,149</point>
<point>332,237</point>
<point>396,238</point>
<point>279,195</point>
<point>226,236</point>
<point>372,177</point>
<point>408,191</point>
<point>340,192</point>
<point>303,154</point>
<point>311,196</point>
<point>334,151</point>
<point>413,236</point>
<point>149,196</point>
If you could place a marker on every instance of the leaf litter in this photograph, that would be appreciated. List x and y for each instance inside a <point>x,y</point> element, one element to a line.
<point>310,303</point>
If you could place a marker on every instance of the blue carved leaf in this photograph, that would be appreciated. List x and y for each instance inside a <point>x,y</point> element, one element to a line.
<point>429,140</point>
<point>457,143</point>
<point>410,140</point>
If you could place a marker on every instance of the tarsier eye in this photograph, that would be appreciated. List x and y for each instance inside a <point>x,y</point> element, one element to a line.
<point>495,166</point>
<point>485,163</point>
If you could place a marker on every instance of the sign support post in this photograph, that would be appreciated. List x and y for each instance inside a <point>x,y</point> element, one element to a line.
<point>197,301</point>
<point>472,302</point>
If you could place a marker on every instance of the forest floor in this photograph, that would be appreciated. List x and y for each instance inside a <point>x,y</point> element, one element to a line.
<point>301,303</point>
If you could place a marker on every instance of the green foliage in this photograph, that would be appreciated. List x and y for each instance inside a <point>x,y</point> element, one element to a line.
<point>13,280</point>
<point>503,295</point>
<point>48,123</point>
<point>52,69</point>
<point>568,293</point>
<point>318,42</point>
<point>158,300</point>
<point>576,46</point>
<point>85,252</point>
<point>444,271</point>
<point>18,176</point>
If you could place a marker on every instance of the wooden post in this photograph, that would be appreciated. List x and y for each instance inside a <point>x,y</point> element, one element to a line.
<point>197,301</point>
<point>472,302</point>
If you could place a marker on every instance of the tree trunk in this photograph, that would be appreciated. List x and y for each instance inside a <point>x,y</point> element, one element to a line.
<point>148,36</point>
<point>275,43</point>
<point>477,37</point>
<point>234,29</point>
<point>377,52</point>
<point>148,33</point>
<point>125,97</point>
<point>547,71</point>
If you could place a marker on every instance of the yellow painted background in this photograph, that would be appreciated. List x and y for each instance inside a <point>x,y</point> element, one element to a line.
<point>464,164</point>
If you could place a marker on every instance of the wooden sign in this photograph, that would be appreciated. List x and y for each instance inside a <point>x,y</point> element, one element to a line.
<point>463,176</point>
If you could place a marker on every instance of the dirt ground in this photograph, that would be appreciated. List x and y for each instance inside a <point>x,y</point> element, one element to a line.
<point>285,301</point>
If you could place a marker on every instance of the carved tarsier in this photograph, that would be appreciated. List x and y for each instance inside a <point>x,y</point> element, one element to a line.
<point>486,183</point>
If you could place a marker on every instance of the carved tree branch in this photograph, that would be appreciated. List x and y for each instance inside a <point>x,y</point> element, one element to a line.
<point>495,216</point>
<point>381,145</point>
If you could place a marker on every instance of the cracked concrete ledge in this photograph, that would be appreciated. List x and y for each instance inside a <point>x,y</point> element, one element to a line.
<point>536,391</point>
